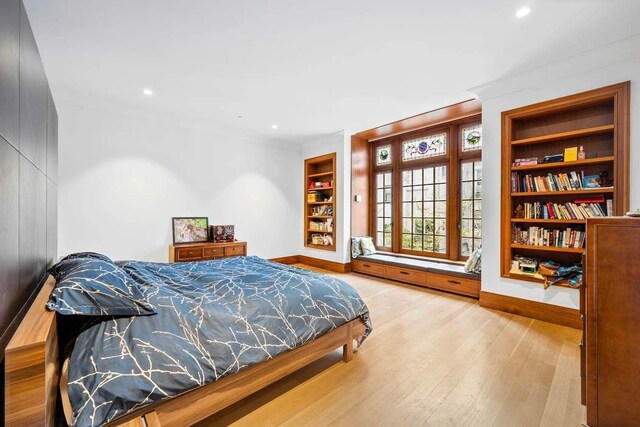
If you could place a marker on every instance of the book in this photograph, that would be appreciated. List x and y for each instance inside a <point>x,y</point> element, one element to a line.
<point>571,154</point>
<point>553,158</point>
<point>591,181</point>
<point>609,207</point>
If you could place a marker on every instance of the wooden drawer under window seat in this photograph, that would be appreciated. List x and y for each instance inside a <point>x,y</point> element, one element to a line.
<point>426,273</point>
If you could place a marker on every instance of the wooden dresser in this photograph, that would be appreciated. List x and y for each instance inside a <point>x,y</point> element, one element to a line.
<point>206,251</point>
<point>612,320</point>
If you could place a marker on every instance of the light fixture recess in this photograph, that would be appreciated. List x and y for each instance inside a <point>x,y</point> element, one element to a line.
<point>147,91</point>
<point>523,11</point>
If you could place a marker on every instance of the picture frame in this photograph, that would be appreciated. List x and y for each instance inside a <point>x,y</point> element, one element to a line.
<point>190,230</point>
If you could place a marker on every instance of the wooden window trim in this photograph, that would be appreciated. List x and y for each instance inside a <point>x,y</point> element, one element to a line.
<point>453,158</point>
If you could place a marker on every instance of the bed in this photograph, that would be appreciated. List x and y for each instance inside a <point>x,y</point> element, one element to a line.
<point>223,330</point>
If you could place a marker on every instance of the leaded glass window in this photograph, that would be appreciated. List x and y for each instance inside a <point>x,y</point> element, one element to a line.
<point>428,146</point>
<point>383,155</point>
<point>470,207</point>
<point>471,137</point>
<point>383,209</point>
<point>424,209</point>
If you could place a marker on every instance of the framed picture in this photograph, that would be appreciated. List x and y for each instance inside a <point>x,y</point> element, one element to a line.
<point>190,230</point>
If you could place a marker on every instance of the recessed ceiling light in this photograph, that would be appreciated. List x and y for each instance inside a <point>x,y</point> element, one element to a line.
<point>274,126</point>
<point>147,92</point>
<point>523,11</point>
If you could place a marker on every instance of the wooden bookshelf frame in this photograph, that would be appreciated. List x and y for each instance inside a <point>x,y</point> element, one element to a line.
<point>321,168</point>
<point>598,118</point>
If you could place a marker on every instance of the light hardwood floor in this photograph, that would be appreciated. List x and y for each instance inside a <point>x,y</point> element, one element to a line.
<point>433,359</point>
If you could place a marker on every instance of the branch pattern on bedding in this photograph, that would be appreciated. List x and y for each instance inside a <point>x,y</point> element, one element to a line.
<point>214,318</point>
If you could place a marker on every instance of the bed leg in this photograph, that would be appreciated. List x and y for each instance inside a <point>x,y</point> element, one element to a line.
<point>347,349</point>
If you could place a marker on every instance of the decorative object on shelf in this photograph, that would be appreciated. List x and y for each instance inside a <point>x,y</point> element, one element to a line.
<point>190,229</point>
<point>604,179</point>
<point>633,214</point>
<point>222,233</point>
<point>313,197</point>
<point>581,154</point>
<point>519,212</point>
<point>525,265</point>
<point>571,154</point>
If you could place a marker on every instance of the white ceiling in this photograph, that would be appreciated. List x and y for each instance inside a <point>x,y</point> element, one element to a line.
<point>312,67</point>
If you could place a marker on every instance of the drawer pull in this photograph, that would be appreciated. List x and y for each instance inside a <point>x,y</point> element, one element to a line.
<point>454,282</point>
<point>404,272</point>
<point>189,253</point>
<point>366,265</point>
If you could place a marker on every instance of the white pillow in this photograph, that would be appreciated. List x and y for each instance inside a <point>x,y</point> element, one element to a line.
<point>368,248</point>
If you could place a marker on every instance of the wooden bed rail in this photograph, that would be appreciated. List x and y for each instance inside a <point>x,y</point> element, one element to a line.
<point>32,367</point>
<point>32,371</point>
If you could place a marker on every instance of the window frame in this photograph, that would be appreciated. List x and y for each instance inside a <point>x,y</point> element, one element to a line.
<point>452,159</point>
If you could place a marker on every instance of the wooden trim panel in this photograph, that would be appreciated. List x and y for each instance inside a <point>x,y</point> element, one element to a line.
<point>291,259</point>
<point>32,367</point>
<point>536,310</point>
<point>461,110</point>
<point>325,264</point>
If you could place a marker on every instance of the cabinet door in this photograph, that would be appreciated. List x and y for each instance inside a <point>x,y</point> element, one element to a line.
<point>33,98</point>
<point>10,71</point>
<point>613,336</point>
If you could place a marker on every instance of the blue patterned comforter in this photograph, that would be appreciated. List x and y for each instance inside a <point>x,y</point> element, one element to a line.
<point>214,319</point>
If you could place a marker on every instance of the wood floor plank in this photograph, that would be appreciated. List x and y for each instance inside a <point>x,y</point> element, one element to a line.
<point>433,359</point>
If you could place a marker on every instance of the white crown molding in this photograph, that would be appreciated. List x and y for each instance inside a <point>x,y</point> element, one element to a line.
<point>600,57</point>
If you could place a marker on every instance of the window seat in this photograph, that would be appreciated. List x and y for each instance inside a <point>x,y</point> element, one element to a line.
<point>426,273</point>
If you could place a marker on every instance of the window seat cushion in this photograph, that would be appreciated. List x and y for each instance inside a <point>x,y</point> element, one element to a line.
<point>422,265</point>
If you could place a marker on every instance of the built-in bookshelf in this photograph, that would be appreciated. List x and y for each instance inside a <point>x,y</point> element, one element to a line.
<point>320,201</point>
<point>563,161</point>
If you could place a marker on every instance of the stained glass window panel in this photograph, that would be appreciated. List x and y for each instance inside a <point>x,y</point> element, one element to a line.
<point>471,138</point>
<point>420,148</point>
<point>383,155</point>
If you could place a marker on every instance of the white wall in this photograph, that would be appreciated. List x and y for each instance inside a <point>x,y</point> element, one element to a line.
<point>340,143</point>
<point>611,64</point>
<point>123,178</point>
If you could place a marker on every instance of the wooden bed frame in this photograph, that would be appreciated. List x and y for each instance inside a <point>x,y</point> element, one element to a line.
<point>32,372</point>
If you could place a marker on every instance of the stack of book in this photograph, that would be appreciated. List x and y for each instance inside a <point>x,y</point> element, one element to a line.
<point>558,182</point>
<point>579,209</point>
<point>525,162</point>
<point>539,236</point>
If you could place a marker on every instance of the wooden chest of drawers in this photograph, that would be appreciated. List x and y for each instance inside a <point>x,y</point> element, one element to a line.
<point>206,251</point>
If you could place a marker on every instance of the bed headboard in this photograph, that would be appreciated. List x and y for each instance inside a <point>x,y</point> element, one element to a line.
<point>28,172</point>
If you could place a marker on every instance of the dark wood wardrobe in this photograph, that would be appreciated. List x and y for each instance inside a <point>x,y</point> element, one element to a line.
<point>611,305</point>
<point>28,172</point>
